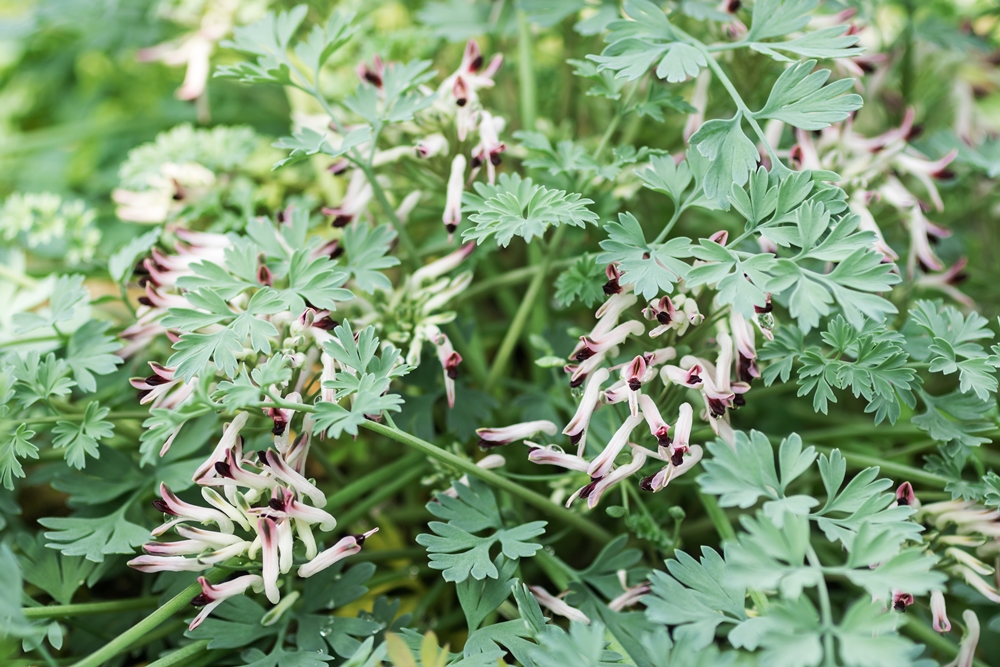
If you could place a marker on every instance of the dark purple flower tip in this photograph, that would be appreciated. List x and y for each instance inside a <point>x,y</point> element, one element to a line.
<point>663,317</point>
<point>677,458</point>
<point>495,159</point>
<point>489,444</point>
<point>646,483</point>
<point>634,384</point>
<point>583,355</point>
<point>144,300</point>
<point>612,287</point>
<point>575,438</point>
<point>161,506</point>
<point>200,600</point>
<point>739,401</point>
<point>587,490</point>
<point>695,379</point>
<point>716,407</point>
<point>461,101</point>
<point>342,220</point>
<point>476,63</point>
<point>360,539</point>
<point>276,504</point>
<point>223,469</point>
<point>451,227</point>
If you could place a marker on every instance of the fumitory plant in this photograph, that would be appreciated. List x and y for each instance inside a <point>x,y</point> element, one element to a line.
<point>455,332</point>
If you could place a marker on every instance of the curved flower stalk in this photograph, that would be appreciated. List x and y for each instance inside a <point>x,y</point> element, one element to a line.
<point>266,518</point>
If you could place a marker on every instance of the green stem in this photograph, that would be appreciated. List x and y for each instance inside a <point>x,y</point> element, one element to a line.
<point>358,510</point>
<point>670,224</point>
<point>373,480</point>
<point>613,125</point>
<point>122,642</point>
<point>30,341</point>
<point>903,472</point>
<point>514,277</point>
<point>738,100</point>
<point>526,73</point>
<point>180,656</point>
<point>18,278</point>
<point>67,610</point>
<point>409,249</point>
<point>521,317</point>
<point>540,502</point>
<point>826,613</point>
<point>75,417</point>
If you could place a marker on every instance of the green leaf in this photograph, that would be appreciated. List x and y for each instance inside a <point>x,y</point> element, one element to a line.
<point>731,154</point>
<point>955,417</point>
<point>41,379</point>
<point>767,557</point>
<point>456,551</point>
<point>799,98</point>
<point>953,347</point>
<point>58,575</point>
<point>369,402</point>
<point>582,281</point>
<point>79,439</point>
<point>88,353</point>
<point>480,598</point>
<point>663,175</point>
<point>695,597</point>
<point>789,634</point>
<point>867,637</point>
<point>120,264</point>
<point>680,62</point>
<point>323,41</point>
<point>367,251</point>
<point>832,42</point>
<point>774,18</point>
<point>307,142</point>
<point>582,646</point>
<point>94,537</point>
<point>317,282</point>
<point>652,269</point>
<point>234,624</point>
<point>12,447</point>
<point>67,295</point>
<point>743,473</point>
<point>516,207</point>
<point>12,620</point>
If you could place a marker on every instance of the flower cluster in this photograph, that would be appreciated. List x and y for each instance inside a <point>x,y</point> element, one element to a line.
<point>266,512</point>
<point>713,381</point>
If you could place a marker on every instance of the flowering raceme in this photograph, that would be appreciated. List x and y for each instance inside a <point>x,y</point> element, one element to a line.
<point>266,512</point>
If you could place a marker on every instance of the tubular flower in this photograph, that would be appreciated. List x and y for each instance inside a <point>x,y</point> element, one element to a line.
<point>631,596</point>
<point>431,145</point>
<point>906,496</point>
<point>553,455</point>
<point>970,641</point>
<point>497,437</point>
<point>348,546</point>
<point>489,148</point>
<point>450,359</point>
<point>557,606</point>
<point>212,595</point>
<point>265,507</point>
<point>657,427</point>
<point>356,199</point>
<point>901,600</point>
<point>679,460</point>
<point>576,429</point>
<point>593,491</point>
<point>458,93</point>
<point>157,388</point>
<point>453,203</point>
<point>947,281</point>
<point>938,611</point>
<point>746,350</point>
<point>602,465</point>
<point>633,375</point>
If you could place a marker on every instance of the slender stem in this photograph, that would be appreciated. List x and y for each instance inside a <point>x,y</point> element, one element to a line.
<point>30,341</point>
<point>508,278</point>
<point>75,417</point>
<point>670,224</point>
<point>908,473</point>
<point>581,523</point>
<point>19,278</point>
<point>738,100</point>
<point>826,613</point>
<point>400,482</point>
<point>409,249</point>
<point>526,73</point>
<point>613,125</point>
<point>67,610</point>
<point>521,317</point>
<point>123,641</point>
<point>181,655</point>
<point>372,480</point>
